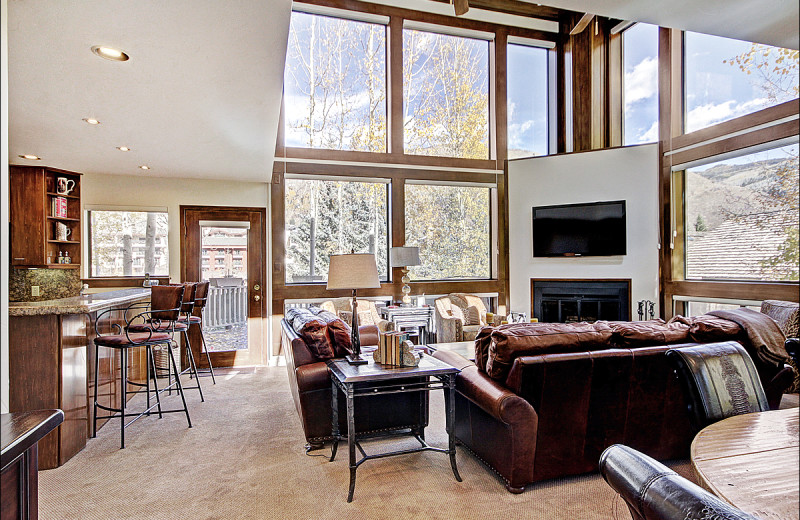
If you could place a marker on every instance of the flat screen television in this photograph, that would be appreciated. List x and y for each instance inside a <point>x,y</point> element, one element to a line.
<point>594,229</point>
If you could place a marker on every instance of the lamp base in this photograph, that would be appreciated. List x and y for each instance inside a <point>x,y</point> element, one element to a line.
<point>356,359</point>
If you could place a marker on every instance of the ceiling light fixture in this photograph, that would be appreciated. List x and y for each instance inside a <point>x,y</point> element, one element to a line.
<point>123,149</point>
<point>91,121</point>
<point>30,157</point>
<point>144,167</point>
<point>110,53</point>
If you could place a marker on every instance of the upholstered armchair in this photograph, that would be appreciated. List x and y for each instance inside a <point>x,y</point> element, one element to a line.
<point>459,317</point>
<point>787,316</point>
<point>367,312</point>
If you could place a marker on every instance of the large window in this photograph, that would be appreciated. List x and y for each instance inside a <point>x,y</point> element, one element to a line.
<point>527,101</point>
<point>451,226</point>
<point>335,84</point>
<point>640,84</point>
<point>741,217</point>
<point>333,217</point>
<point>728,78</point>
<point>445,95</point>
<point>128,243</point>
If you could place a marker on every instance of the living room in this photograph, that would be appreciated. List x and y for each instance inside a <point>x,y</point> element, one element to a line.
<point>316,128</point>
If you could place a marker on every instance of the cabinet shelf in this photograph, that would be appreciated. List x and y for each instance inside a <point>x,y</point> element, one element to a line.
<point>53,194</point>
<point>64,218</point>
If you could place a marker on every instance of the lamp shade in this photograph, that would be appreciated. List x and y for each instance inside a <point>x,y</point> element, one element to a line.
<point>404,256</point>
<point>353,271</point>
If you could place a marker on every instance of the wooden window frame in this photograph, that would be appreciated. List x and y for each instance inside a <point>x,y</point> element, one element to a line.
<point>678,147</point>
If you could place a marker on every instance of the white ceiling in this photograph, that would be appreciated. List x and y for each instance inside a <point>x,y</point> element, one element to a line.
<point>773,22</point>
<point>199,98</point>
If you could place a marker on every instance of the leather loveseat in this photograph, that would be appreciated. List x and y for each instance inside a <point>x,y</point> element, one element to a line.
<point>544,400</point>
<point>309,379</point>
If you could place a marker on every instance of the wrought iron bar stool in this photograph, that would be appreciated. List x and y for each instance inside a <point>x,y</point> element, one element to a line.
<point>181,326</point>
<point>167,300</point>
<point>196,318</point>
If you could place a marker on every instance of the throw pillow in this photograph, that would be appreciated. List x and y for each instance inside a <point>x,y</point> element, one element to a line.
<point>313,331</point>
<point>338,332</point>
<point>472,316</point>
<point>708,329</point>
<point>651,332</point>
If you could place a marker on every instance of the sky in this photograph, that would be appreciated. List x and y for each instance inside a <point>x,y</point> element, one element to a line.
<point>527,100</point>
<point>716,91</point>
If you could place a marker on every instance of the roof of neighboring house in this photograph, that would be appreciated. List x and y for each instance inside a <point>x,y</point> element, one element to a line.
<point>737,248</point>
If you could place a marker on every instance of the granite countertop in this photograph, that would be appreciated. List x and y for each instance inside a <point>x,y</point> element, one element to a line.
<point>80,304</point>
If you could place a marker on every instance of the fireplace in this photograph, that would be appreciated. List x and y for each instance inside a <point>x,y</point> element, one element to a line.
<point>569,301</point>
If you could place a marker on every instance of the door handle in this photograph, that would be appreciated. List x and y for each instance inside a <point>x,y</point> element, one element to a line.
<point>257,298</point>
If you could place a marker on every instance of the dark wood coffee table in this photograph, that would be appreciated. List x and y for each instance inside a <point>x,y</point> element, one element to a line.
<point>375,379</point>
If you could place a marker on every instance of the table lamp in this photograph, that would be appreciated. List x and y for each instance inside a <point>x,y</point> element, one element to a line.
<point>404,257</point>
<point>353,271</point>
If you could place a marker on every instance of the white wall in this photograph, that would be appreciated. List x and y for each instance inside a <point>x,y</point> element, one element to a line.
<point>4,260</point>
<point>144,191</point>
<point>629,174</point>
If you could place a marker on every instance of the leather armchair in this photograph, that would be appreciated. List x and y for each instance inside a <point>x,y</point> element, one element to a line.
<point>652,491</point>
<point>720,381</point>
<point>367,313</point>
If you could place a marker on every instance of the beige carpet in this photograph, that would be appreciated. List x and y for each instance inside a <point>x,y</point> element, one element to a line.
<point>244,458</point>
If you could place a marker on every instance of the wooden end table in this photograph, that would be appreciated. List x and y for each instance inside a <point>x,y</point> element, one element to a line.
<point>375,379</point>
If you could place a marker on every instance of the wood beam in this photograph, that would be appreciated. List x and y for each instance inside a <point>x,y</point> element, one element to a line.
<point>582,23</point>
<point>514,7</point>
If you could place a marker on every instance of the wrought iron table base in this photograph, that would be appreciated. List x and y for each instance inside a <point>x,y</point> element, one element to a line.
<point>445,381</point>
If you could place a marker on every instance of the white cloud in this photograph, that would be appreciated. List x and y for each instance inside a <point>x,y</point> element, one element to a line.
<point>711,113</point>
<point>511,107</point>
<point>642,81</point>
<point>651,135</point>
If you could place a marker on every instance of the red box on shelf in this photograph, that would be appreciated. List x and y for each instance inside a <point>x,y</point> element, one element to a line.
<point>60,207</point>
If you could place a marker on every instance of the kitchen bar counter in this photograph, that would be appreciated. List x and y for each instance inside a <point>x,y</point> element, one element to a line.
<point>86,303</point>
<point>52,359</point>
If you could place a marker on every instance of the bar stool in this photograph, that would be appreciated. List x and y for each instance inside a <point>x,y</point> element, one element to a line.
<point>167,299</point>
<point>200,298</point>
<point>181,326</point>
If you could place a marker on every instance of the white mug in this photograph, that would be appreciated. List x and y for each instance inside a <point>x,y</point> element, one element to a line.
<point>64,185</point>
<point>62,231</point>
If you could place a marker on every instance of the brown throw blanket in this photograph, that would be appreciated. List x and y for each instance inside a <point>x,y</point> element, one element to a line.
<point>764,334</point>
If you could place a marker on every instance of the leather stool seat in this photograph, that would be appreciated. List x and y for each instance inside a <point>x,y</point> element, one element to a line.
<point>177,326</point>
<point>134,339</point>
<point>192,319</point>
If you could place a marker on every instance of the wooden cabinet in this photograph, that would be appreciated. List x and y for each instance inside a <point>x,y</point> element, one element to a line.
<point>34,193</point>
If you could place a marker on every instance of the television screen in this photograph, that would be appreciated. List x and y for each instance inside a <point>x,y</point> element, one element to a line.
<point>595,229</point>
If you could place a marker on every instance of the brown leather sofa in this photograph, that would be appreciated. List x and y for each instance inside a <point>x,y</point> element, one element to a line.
<point>310,382</point>
<point>551,403</point>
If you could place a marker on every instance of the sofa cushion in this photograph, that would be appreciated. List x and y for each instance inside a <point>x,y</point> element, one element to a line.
<point>710,329</point>
<point>647,333</point>
<point>472,316</point>
<point>313,330</point>
<point>524,339</point>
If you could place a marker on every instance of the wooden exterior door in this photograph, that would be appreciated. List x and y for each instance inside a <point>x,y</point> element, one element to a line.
<point>226,246</point>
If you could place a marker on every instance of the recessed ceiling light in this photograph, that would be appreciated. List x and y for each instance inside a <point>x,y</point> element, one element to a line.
<point>30,157</point>
<point>144,167</point>
<point>123,149</point>
<point>110,53</point>
<point>91,121</point>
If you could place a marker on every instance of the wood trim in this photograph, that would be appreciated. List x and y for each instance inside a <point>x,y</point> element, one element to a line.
<point>739,142</point>
<point>278,222</point>
<point>397,210</point>
<point>498,97</point>
<point>394,81</point>
<point>615,90</point>
<point>599,72</point>
<point>400,159</point>
<point>735,290</point>
<point>503,268</point>
<point>786,109</point>
<point>377,172</point>
<point>581,24</point>
<point>561,91</point>
<point>313,291</point>
<point>514,7</point>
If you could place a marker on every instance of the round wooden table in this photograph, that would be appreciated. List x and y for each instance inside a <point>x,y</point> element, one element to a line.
<point>752,461</point>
